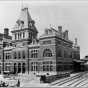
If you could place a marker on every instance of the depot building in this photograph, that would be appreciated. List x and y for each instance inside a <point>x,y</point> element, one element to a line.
<point>24,52</point>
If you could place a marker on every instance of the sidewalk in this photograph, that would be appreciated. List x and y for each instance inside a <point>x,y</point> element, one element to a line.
<point>34,83</point>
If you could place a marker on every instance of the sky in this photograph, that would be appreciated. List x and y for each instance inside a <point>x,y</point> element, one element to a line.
<point>71,15</point>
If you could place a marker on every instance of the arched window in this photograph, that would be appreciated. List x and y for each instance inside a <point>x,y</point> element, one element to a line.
<point>47,53</point>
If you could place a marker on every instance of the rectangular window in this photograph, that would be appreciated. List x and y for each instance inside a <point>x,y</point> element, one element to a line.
<point>51,68</point>
<point>31,67</point>
<point>34,54</point>
<point>19,55</point>
<point>44,69</point>
<point>30,36</point>
<point>18,35</point>
<point>23,54</point>
<point>6,56</point>
<point>23,34</point>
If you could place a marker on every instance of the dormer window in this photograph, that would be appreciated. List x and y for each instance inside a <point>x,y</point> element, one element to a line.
<point>22,24</point>
<point>18,22</point>
<point>30,24</point>
<point>50,31</point>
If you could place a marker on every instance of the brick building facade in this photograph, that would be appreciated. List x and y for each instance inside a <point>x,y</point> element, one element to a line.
<point>52,52</point>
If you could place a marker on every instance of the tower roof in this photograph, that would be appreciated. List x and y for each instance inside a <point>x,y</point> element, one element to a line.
<point>25,21</point>
<point>25,17</point>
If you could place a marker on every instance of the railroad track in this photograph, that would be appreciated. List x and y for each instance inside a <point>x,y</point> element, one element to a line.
<point>77,82</point>
<point>83,84</point>
<point>70,80</point>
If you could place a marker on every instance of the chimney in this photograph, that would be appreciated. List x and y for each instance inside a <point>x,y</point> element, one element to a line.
<point>66,34</point>
<point>75,41</point>
<point>6,31</point>
<point>46,31</point>
<point>60,30</point>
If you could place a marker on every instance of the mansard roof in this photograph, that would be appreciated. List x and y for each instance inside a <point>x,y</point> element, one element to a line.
<point>25,17</point>
<point>25,21</point>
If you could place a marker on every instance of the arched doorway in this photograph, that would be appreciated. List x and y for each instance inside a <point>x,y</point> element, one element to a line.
<point>23,68</point>
<point>19,67</point>
<point>15,68</point>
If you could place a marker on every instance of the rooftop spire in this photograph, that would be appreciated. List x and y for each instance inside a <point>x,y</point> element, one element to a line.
<point>24,19</point>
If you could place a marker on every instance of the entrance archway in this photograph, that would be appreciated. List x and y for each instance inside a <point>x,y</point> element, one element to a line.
<point>19,67</point>
<point>15,68</point>
<point>23,68</point>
